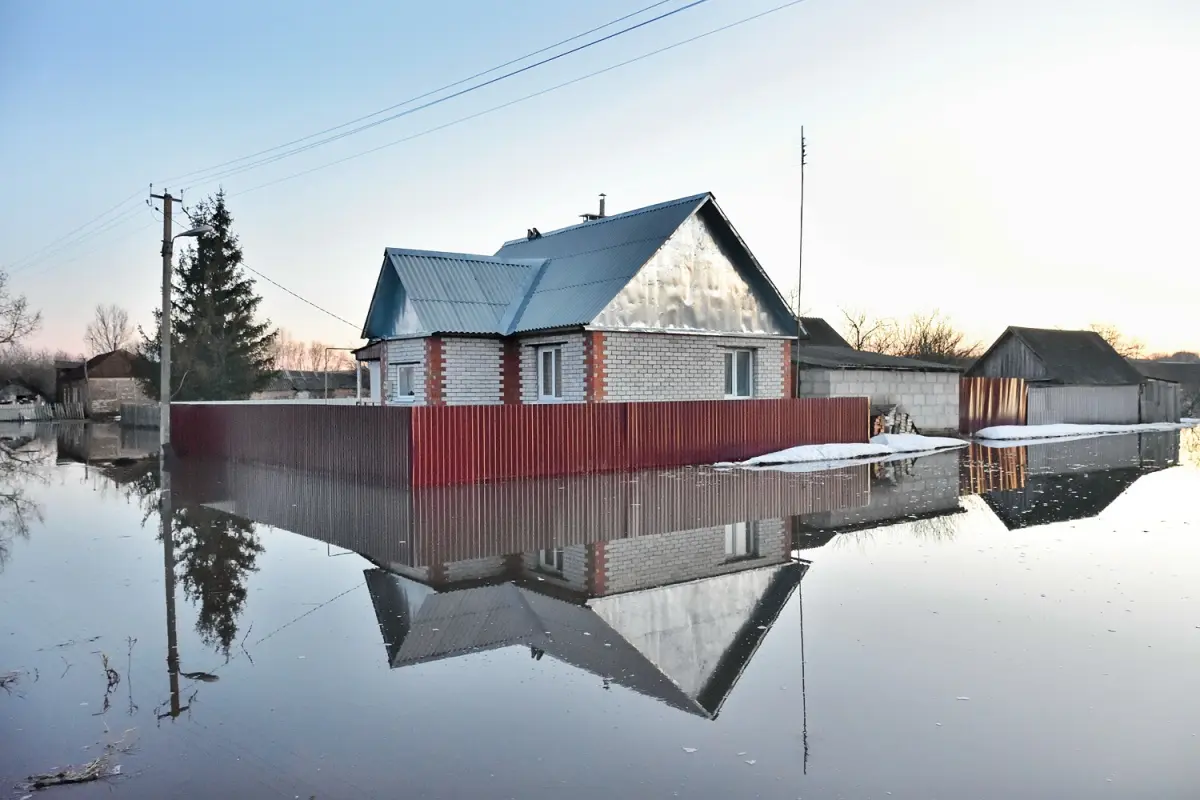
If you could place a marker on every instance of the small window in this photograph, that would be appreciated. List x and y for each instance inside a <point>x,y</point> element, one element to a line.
<point>403,390</point>
<point>741,540</point>
<point>549,360</point>
<point>551,561</point>
<point>739,374</point>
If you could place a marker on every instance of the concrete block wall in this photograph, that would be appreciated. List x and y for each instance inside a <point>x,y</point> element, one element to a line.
<point>403,352</point>
<point>475,569</point>
<point>107,394</point>
<point>929,398</point>
<point>650,367</point>
<point>642,562</point>
<point>574,389</point>
<point>471,371</point>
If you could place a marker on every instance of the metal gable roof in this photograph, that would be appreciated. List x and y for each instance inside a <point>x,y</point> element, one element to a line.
<point>1077,358</point>
<point>591,262</point>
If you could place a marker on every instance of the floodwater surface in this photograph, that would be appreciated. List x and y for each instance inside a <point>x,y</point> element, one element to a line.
<point>987,623</point>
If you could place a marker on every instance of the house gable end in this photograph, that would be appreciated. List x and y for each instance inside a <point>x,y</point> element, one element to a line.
<point>702,279</point>
<point>1010,356</point>
<point>389,313</point>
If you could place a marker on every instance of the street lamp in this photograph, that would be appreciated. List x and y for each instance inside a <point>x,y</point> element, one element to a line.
<point>164,328</point>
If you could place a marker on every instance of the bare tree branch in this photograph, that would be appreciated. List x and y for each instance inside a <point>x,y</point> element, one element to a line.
<point>109,330</point>
<point>867,333</point>
<point>1127,348</point>
<point>16,319</point>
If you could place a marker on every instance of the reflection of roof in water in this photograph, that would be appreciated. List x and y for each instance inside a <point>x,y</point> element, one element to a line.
<point>685,645</point>
<point>1047,499</point>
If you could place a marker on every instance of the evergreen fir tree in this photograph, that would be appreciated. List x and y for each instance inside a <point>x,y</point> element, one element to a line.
<point>219,349</point>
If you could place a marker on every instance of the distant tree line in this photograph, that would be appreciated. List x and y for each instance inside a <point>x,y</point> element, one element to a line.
<point>929,336</point>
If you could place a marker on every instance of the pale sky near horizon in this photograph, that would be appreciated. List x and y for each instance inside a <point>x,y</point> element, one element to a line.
<point>1009,163</point>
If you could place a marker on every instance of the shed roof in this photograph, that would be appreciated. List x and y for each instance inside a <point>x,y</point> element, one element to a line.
<point>113,364</point>
<point>1185,372</point>
<point>304,380</point>
<point>848,358</point>
<point>821,333</point>
<point>560,279</point>
<point>1073,358</point>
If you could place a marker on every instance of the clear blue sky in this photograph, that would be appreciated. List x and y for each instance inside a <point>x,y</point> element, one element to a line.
<point>1014,162</point>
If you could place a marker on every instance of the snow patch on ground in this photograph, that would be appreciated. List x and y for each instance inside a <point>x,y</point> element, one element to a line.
<point>879,448</point>
<point>1031,432</point>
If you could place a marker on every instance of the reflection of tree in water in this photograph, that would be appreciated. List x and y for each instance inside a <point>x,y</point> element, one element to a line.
<point>19,466</point>
<point>215,554</point>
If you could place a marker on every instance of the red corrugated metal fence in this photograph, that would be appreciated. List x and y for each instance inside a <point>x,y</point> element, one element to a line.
<point>984,402</point>
<point>449,445</point>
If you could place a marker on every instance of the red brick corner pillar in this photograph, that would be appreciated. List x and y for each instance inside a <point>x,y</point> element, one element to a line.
<point>510,373</point>
<point>789,382</point>
<point>435,371</point>
<point>594,376</point>
<point>597,569</point>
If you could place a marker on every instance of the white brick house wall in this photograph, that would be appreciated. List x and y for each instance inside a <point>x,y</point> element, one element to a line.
<point>574,574</point>
<point>401,352</point>
<point>641,562</point>
<point>574,390</point>
<point>929,398</point>
<point>474,569</point>
<point>472,371</point>
<point>648,367</point>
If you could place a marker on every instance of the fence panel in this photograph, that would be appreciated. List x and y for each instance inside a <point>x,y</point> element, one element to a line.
<point>1159,401</point>
<point>984,402</point>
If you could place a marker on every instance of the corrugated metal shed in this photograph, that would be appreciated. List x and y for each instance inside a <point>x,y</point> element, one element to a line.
<point>1071,358</point>
<point>848,358</point>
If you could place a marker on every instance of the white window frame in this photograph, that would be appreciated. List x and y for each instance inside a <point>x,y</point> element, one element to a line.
<point>551,560</point>
<point>741,540</point>
<point>731,373</point>
<point>556,375</point>
<point>411,368</point>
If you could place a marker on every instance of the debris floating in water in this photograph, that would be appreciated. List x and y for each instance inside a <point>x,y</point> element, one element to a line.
<point>689,749</point>
<point>964,698</point>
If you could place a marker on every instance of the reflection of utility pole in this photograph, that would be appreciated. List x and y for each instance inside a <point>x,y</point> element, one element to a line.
<point>803,682</point>
<point>168,537</point>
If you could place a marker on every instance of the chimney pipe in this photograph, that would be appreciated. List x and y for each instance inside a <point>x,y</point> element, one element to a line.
<point>602,205</point>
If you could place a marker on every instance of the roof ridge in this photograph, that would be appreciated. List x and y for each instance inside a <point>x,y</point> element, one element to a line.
<point>622,215</point>
<point>450,254</point>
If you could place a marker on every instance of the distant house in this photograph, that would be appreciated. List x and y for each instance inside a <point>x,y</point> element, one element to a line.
<point>294,384</point>
<point>1072,376</point>
<point>925,392</point>
<point>661,303</point>
<point>102,384</point>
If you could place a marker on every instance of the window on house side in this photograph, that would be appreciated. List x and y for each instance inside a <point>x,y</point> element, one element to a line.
<point>741,540</point>
<point>739,374</point>
<point>551,560</point>
<point>403,387</point>
<point>549,373</point>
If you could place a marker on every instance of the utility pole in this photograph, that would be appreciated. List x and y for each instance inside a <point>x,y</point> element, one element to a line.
<point>164,327</point>
<point>800,258</point>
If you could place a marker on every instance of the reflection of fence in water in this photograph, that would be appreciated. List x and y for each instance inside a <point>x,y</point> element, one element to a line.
<point>989,469</point>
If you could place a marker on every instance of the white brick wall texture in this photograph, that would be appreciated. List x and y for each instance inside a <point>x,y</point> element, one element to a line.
<point>642,562</point>
<point>475,569</point>
<point>649,367</point>
<point>574,390</point>
<point>929,398</point>
<point>406,351</point>
<point>472,371</point>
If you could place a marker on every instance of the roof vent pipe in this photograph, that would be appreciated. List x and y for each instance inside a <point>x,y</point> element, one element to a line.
<point>602,205</point>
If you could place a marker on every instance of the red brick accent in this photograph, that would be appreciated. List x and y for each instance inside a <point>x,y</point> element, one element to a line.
<point>435,371</point>
<point>594,375</point>
<point>789,384</point>
<point>510,373</point>
<point>597,569</point>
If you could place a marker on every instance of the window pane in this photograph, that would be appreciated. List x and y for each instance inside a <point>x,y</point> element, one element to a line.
<point>728,374</point>
<point>743,373</point>
<point>547,373</point>
<point>557,372</point>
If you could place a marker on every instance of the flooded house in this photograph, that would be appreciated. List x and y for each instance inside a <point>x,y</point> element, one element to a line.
<point>102,383</point>
<point>660,303</point>
<point>1071,377</point>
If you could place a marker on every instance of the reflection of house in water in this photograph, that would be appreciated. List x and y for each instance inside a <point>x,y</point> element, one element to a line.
<point>104,442</point>
<point>901,491</point>
<point>664,582</point>
<point>1073,480</point>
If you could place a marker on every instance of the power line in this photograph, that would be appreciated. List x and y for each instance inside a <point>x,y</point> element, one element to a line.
<point>21,261</point>
<point>554,88</point>
<point>112,224</point>
<point>296,295</point>
<point>440,89</point>
<point>296,150</point>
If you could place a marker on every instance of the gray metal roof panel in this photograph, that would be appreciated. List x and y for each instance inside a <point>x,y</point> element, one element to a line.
<point>1077,358</point>
<point>848,358</point>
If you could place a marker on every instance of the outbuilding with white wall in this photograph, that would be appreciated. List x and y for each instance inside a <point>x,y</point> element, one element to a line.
<point>926,391</point>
